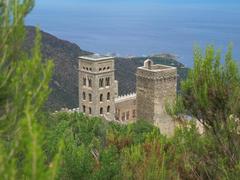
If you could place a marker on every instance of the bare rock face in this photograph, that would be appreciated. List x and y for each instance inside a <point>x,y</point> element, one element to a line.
<point>65,55</point>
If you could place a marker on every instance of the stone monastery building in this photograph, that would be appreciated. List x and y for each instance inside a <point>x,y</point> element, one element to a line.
<point>98,92</point>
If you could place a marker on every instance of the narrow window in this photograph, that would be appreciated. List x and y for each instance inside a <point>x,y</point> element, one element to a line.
<point>101,110</point>
<point>84,96</point>
<point>100,69</point>
<point>108,96</point>
<point>90,69</point>
<point>84,109</point>
<point>101,97</point>
<point>108,109</point>
<point>90,97</point>
<point>108,81</point>
<point>108,68</point>
<point>104,68</point>
<point>101,82</point>
<point>84,81</point>
<point>89,82</point>
<point>90,110</point>
<point>87,68</point>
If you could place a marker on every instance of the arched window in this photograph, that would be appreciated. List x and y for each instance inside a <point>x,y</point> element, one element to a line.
<point>148,63</point>
<point>90,97</point>
<point>104,68</point>
<point>89,82</point>
<point>108,96</point>
<point>101,110</point>
<point>108,68</point>
<point>90,110</point>
<point>84,109</point>
<point>101,97</point>
<point>108,81</point>
<point>84,81</point>
<point>84,96</point>
<point>108,109</point>
<point>87,68</point>
<point>101,81</point>
<point>100,69</point>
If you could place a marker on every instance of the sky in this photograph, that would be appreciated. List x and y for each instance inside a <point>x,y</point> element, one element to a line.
<point>148,1</point>
<point>136,2</point>
<point>147,5</point>
<point>106,26</point>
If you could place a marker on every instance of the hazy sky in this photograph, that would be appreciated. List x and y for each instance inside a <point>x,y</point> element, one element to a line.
<point>149,1</point>
<point>63,2</point>
<point>107,26</point>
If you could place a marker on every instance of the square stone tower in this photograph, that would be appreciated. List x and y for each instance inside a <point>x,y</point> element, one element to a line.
<point>156,84</point>
<point>97,86</point>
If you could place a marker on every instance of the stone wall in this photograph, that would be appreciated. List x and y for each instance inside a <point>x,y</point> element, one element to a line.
<point>98,92</point>
<point>97,87</point>
<point>125,108</point>
<point>145,98</point>
<point>156,85</point>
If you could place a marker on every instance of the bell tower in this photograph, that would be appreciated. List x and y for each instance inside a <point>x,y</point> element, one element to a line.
<point>156,85</point>
<point>97,86</point>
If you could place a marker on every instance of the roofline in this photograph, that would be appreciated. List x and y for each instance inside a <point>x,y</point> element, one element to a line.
<point>95,59</point>
<point>158,70</point>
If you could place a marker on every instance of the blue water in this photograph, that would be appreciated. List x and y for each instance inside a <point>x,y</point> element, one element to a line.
<point>142,30</point>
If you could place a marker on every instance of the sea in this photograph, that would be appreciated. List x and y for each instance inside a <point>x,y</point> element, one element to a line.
<point>142,30</point>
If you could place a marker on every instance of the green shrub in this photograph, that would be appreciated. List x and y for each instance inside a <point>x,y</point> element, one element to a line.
<point>24,88</point>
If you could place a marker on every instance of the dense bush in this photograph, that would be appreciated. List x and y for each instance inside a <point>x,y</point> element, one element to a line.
<point>24,88</point>
<point>211,95</point>
<point>94,148</point>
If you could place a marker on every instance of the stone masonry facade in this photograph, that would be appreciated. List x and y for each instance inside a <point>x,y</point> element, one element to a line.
<point>97,86</point>
<point>125,108</point>
<point>98,92</point>
<point>156,86</point>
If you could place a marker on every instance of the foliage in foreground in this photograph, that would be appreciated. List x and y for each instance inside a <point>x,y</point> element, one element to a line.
<point>95,149</point>
<point>211,95</point>
<point>24,89</point>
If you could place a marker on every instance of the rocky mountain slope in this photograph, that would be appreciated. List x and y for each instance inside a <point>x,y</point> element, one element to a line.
<point>65,76</point>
